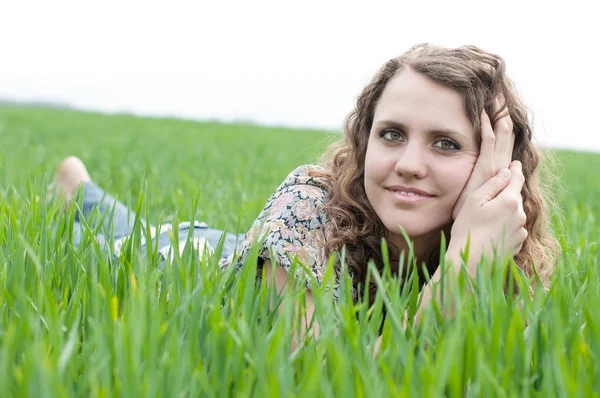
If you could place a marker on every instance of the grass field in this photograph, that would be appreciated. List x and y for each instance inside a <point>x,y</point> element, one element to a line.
<point>73,322</point>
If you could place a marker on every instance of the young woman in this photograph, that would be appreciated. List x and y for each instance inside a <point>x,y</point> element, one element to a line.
<point>439,143</point>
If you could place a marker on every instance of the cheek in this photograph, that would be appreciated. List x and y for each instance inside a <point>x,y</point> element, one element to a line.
<point>378,164</point>
<point>455,177</point>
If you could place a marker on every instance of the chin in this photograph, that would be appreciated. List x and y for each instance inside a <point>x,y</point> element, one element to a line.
<point>417,230</point>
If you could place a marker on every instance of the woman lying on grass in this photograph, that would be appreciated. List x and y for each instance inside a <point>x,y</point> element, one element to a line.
<point>439,144</point>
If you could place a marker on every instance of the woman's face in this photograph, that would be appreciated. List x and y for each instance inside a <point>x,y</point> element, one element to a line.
<point>420,154</point>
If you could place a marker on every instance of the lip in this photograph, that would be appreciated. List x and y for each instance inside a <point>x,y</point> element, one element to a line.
<point>399,188</point>
<point>419,196</point>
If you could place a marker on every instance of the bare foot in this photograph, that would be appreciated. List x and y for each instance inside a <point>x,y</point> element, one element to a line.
<point>69,175</point>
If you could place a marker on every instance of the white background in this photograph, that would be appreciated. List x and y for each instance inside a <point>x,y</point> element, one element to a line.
<point>298,63</point>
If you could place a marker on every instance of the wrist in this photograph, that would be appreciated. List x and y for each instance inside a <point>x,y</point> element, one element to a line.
<point>453,257</point>
<point>456,253</point>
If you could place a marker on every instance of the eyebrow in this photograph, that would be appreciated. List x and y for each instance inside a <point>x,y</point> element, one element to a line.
<point>444,131</point>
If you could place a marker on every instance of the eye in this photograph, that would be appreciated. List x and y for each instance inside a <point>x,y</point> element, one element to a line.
<point>447,145</point>
<point>391,135</point>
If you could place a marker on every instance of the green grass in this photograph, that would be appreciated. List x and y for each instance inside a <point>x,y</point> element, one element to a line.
<point>75,323</point>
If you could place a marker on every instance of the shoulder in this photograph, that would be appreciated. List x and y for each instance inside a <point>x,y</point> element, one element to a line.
<point>296,205</point>
<point>291,224</point>
<point>304,177</point>
<point>300,197</point>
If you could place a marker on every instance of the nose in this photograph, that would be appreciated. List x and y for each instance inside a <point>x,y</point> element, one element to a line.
<point>412,161</point>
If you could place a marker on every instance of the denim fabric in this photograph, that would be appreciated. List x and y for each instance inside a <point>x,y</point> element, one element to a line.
<point>120,225</point>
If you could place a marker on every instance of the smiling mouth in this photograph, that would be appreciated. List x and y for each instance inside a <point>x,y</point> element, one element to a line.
<point>408,193</point>
<point>407,196</point>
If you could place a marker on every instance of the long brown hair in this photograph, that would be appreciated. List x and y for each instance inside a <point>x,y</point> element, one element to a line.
<point>478,75</point>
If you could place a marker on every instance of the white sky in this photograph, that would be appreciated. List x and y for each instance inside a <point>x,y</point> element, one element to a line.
<point>299,63</point>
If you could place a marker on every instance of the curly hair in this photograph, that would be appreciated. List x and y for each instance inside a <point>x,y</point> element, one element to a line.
<point>479,76</point>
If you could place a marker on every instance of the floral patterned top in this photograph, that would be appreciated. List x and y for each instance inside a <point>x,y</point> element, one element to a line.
<point>293,224</point>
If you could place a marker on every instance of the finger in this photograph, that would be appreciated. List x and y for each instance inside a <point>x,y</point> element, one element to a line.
<point>515,186</point>
<point>492,187</point>
<point>484,168</point>
<point>521,236</point>
<point>504,133</point>
<point>485,161</point>
<point>521,210</point>
<point>517,249</point>
<point>499,102</point>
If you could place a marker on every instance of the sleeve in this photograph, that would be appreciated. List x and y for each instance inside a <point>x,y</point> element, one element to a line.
<point>292,225</point>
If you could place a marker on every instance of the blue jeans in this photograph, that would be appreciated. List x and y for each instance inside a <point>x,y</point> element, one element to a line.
<point>122,221</point>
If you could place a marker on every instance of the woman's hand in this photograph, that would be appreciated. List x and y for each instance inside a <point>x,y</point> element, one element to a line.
<point>495,154</point>
<point>493,218</point>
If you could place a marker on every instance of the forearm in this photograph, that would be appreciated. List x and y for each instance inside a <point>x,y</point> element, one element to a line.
<point>433,290</point>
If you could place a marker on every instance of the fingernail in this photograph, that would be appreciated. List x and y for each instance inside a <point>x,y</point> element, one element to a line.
<point>505,173</point>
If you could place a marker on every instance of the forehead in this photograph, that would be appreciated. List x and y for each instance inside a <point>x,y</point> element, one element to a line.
<point>416,101</point>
